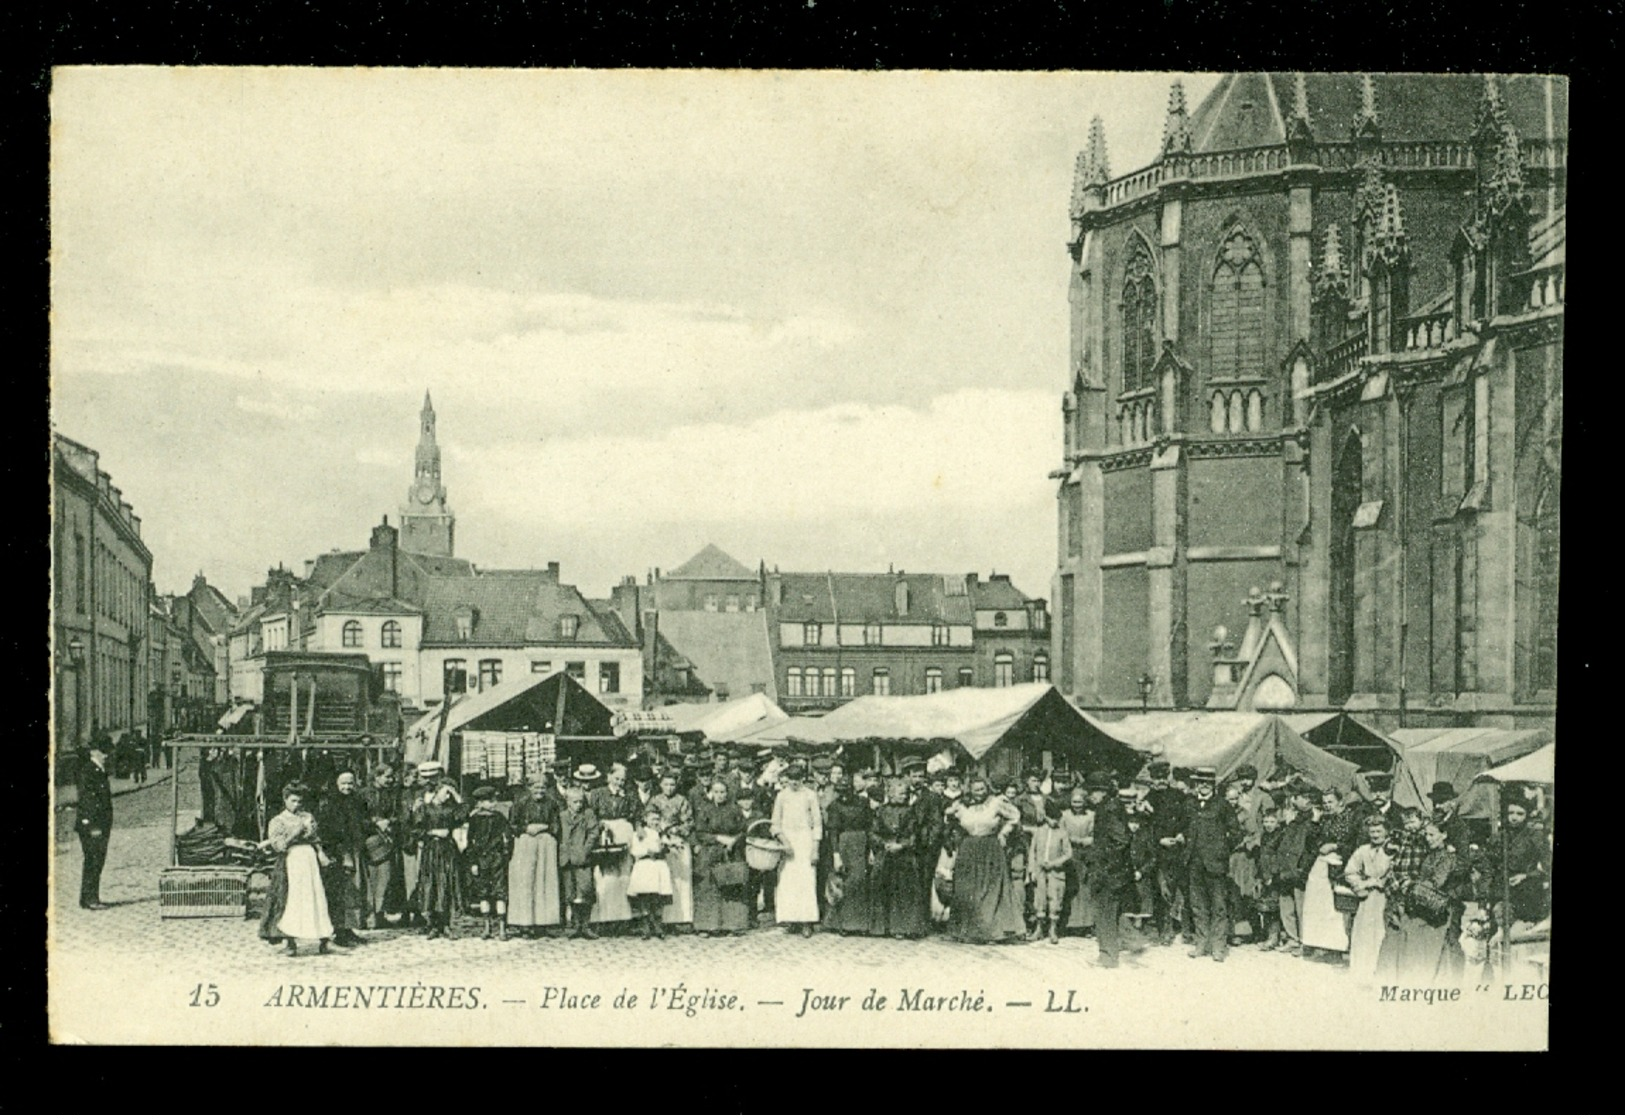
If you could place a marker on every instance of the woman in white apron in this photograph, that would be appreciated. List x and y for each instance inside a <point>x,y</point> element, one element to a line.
<point>799,825</point>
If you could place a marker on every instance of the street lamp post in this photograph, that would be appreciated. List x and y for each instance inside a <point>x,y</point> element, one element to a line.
<point>1147,682</point>
<point>76,657</point>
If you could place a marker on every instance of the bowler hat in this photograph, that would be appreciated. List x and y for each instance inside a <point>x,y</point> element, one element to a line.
<point>1158,770</point>
<point>1378,781</point>
<point>1442,792</point>
<point>1247,772</point>
<point>1101,781</point>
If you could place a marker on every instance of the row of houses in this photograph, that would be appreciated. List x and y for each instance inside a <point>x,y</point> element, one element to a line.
<point>715,628</point>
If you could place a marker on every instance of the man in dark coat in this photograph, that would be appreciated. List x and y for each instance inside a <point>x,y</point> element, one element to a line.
<point>1295,857</point>
<point>1213,832</point>
<point>1110,870</point>
<point>343,824</point>
<point>94,819</point>
<point>1166,808</point>
<point>929,826</point>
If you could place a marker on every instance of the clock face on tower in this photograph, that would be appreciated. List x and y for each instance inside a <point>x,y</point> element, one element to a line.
<point>425,491</point>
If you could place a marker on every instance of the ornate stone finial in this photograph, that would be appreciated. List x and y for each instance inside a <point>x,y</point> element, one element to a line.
<point>1300,137</point>
<point>1367,125</point>
<point>1300,96</point>
<point>1390,242</point>
<point>1091,168</point>
<point>1080,179</point>
<point>1099,167</point>
<point>1176,130</point>
<point>1332,280</point>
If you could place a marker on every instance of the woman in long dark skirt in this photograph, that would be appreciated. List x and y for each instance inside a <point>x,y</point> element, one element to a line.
<point>439,890</point>
<point>985,908</point>
<point>846,828</point>
<point>718,827</point>
<point>898,905</point>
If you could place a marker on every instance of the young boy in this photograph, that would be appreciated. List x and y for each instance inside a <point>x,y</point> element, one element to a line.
<point>490,845</point>
<point>1048,856</point>
<point>1271,879</point>
<point>578,835</point>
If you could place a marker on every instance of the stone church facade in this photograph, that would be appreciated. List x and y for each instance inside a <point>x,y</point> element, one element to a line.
<point>1317,363</point>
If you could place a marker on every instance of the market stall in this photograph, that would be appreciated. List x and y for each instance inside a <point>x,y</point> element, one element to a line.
<point>999,732</point>
<point>1348,737</point>
<point>212,862</point>
<point>1227,740</point>
<point>511,730</point>
<point>725,722</point>
<point>1456,755</point>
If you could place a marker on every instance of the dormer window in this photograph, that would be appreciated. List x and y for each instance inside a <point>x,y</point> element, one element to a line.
<point>812,633</point>
<point>900,595</point>
<point>568,624</point>
<point>465,623</point>
<point>1001,619</point>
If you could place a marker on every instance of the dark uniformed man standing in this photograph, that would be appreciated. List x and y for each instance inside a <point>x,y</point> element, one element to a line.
<point>1110,871</point>
<point>1213,831</point>
<point>94,820</point>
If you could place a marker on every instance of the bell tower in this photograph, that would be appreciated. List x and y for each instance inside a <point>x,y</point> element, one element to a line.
<point>427,523</point>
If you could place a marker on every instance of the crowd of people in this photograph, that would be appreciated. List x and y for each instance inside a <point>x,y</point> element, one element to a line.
<point>660,845</point>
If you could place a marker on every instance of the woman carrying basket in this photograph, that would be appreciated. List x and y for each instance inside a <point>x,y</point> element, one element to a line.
<point>720,873</point>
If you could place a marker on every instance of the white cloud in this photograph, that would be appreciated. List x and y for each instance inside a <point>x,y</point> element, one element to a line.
<point>969,451</point>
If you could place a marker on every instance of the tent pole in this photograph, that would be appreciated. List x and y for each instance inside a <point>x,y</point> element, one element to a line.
<point>175,802</point>
<point>1506,882</point>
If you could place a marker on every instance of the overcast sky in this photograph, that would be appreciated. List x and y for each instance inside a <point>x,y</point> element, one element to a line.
<point>819,319</point>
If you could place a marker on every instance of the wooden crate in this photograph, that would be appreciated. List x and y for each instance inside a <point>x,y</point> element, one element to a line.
<point>203,891</point>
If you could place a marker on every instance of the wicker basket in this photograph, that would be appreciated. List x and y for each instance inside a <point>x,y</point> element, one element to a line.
<point>1345,900</point>
<point>762,851</point>
<point>203,891</point>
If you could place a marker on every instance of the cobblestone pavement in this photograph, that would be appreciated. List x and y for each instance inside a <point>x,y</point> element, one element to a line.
<point>165,965</point>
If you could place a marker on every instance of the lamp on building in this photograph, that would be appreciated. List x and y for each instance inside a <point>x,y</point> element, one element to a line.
<point>1146,682</point>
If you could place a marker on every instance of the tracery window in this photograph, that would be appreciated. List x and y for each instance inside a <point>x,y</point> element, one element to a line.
<point>1236,337</point>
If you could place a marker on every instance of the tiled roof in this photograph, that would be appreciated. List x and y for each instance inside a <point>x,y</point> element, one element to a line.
<point>711,562</point>
<point>726,650</point>
<point>848,597</point>
<point>614,628</point>
<point>515,609</point>
<point>364,581</point>
<point>997,594</point>
<point>1250,109</point>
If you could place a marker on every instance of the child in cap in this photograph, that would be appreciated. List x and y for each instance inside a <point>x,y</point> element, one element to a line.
<point>649,887</point>
<point>490,846</point>
<point>1271,880</point>
<point>1049,855</point>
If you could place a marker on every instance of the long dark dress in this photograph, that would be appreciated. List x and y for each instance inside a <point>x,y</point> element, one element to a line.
<point>846,828</point>
<point>717,908</point>
<point>985,908</point>
<point>899,898</point>
<point>490,846</point>
<point>438,895</point>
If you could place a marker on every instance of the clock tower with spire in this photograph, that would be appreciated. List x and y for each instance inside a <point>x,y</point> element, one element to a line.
<point>426,522</point>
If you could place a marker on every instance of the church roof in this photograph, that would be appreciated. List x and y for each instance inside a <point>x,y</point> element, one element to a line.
<point>1251,109</point>
<point>711,562</point>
